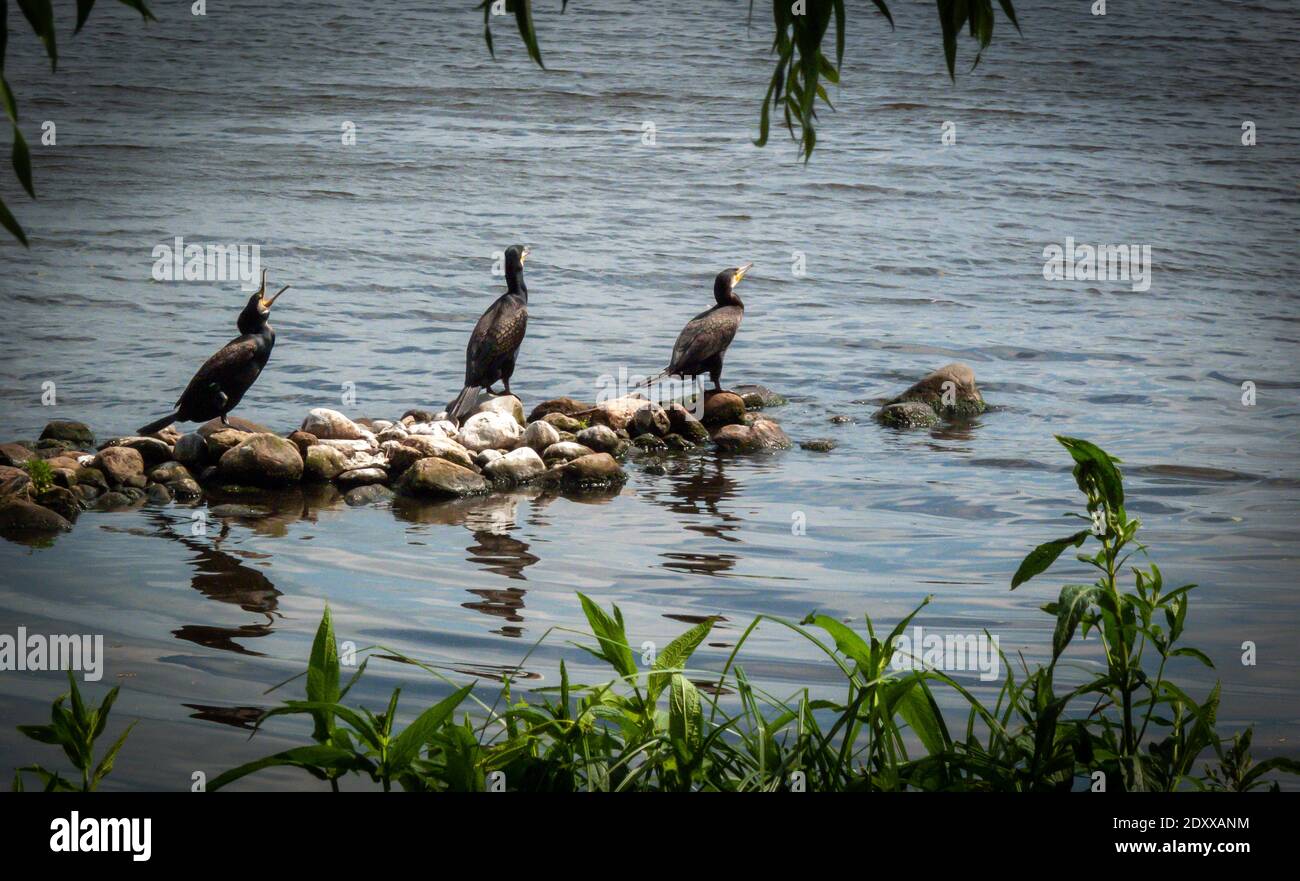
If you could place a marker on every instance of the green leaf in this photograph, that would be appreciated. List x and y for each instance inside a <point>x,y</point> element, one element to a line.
<point>1101,464</point>
<point>83,13</point>
<point>22,162</point>
<point>40,14</point>
<point>1042,557</point>
<point>1073,603</point>
<point>911,700</point>
<point>105,766</point>
<point>846,640</point>
<point>421,731</point>
<point>685,718</point>
<point>609,632</point>
<point>1188,652</point>
<point>524,21</point>
<point>316,759</point>
<point>323,675</point>
<point>9,222</point>
<point>41,733</point>
<point>675,655</point>
<point>140,7</point>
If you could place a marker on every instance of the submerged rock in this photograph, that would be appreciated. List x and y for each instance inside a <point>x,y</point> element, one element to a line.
<point>763,434</point>
<point>112,501</point>
<point>440,479</point>
<point>185,488</point>
<point>68,431</point>
<point>908,414</point>
<point>262,460</point>
<point>361,477</point>
<point>595,470</point>
<point>677,442</point>
<point>368,495</point>
<point>489,430</point>
<point>818,444</point>
<point>759,397</point>
<point>18,516</point>
<point>649,442</point>
<point>517,466</point>
<point>949,391</point>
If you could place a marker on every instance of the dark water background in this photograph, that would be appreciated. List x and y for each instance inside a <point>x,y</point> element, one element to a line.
<point>1122,129</point>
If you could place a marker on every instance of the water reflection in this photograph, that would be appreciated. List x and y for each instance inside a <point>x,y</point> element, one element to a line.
<point>490,520</point>
<point>698,489</point>
<point>224,577</point>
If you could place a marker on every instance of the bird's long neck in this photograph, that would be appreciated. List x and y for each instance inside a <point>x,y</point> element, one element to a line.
<point>727,298</point>
<point>515,283</point>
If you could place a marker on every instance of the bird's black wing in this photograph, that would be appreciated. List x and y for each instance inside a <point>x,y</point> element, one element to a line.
<point>233,366</point>
<point>704,336</point>
<point>497,336</point>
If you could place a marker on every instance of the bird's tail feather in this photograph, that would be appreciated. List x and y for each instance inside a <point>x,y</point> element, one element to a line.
<point>158,425</point>
<point>650,380</point>
<point>462,403</point>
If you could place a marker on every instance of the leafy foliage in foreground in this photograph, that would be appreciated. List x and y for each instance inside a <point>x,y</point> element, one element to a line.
<point>75,729</point>
<point>668,728</point>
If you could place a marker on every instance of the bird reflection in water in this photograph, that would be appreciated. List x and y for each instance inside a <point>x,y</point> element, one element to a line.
<point>222,576</point>
<point>490,520</point>
<point>699,491</point>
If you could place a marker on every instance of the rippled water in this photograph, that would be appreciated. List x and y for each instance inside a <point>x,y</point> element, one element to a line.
<point>227,129</point>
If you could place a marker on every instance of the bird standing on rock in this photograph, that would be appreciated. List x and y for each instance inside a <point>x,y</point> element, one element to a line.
<point>490,355</point>
<point>705,338</point>
<point>223,379</point>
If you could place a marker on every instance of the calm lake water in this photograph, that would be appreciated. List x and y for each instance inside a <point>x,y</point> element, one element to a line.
<point>1122,129</point>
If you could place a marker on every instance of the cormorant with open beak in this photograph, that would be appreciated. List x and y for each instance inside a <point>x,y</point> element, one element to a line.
<point>705,338</point>
<point>490,355</point>
<point>222,380</point>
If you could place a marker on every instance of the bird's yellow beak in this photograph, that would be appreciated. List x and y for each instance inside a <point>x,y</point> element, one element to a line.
<point>740,273</point>
<point>271,302</point>
<point>523,255</point>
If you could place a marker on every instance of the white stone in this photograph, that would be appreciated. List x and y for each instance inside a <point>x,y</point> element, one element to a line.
<point>329,424</point>
<point>541,435</point>
<point>517,466</point>
<point>491,430</point>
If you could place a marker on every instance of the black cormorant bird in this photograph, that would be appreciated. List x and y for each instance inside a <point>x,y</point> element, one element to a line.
<point>222,380</point>
<point>490,355</point>
<point>704,340</point>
